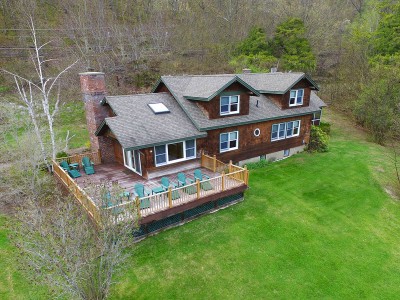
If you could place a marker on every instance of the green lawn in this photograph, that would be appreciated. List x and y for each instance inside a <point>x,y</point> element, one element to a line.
<point>311,226</point>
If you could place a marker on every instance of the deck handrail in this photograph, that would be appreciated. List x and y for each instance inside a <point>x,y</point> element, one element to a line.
<point>188,192</point>
<point>88,204</point>
<point>230,177</point>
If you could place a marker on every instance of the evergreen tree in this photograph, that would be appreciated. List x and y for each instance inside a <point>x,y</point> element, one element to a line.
<point>292,47</point>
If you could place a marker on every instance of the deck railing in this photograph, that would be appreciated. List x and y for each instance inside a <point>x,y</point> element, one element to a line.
<point>190,192</point>
<point>231,176</point>
<point>95,157</point>
<point>83,198</point>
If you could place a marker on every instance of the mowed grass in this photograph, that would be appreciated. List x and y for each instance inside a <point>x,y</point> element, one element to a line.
<point>311,226</point>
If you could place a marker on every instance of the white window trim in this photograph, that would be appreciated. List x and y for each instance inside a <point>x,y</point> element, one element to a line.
<point>295,98</point>
<point>230,112</point>
<point>128,166</point>
<point>229,149</point>
<point>285,136</point>
<point>257,130</point>
<point>168,162</point>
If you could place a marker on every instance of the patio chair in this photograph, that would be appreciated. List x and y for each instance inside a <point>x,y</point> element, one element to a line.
<point>182,181</point>
<point>141,192</point>
<point>87,165</point>
<point>73,173</point>
<point>165,183</point>
<point>206,186</point>
<point>107,202</point>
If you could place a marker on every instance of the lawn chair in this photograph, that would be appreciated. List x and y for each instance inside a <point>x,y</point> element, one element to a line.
<point>87,165</point>
<point>107,202</point>
<point>73,173</point>
<point>182,181</point>
<point>206,186</point>
<point>165,183</point>
<point>141,192</point>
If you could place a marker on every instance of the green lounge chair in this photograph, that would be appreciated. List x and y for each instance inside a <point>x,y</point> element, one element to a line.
<point>206,186</point>
<point>165,183</point>
<point>141,192</point>
<point>87,165</point>
<point>73,173</point>
<point>182,181</point>
<point>107,202</point>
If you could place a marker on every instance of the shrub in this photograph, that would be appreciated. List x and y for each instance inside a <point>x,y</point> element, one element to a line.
<point>257,165</point>
<point>318,140</point>
<point>61,154</point>
<point>325,127</point>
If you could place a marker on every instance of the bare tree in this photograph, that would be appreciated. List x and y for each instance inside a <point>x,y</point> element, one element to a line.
<point>41,97</point>
<point>67,252</point>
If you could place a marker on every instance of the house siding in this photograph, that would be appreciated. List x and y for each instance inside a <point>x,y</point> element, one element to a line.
<point>283,100</point>
<point>251,146</point>
<point>212,108</point>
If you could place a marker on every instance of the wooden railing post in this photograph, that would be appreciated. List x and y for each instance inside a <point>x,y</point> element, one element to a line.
<point>198,188</point>
<point>223,181</point>
<point>138,206</point>
<point>246,175</point>
<point>230,166</point>
<point>170,197</point>
<point>215,163</point>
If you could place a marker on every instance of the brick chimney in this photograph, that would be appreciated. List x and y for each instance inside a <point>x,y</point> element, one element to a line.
<point>93,88</point>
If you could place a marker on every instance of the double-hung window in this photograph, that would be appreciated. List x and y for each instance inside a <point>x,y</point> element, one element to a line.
<point>229,141</point>
<point>229,105</point>
<point>296,97</point>
<point>316,118</point>
<point>285,130</point>
<point>278,131</point>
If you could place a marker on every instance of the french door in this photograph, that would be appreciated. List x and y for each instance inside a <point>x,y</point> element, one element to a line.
<point>132,161</point>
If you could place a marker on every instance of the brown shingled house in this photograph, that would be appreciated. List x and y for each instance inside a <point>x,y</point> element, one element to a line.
<point>239,118</point>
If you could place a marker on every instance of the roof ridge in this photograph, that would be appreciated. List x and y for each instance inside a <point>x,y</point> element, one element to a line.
<point>141,94</point>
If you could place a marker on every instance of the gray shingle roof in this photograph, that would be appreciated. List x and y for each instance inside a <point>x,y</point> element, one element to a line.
<point>266,110</point>
<point>275,83</point>
<point>136,126</point>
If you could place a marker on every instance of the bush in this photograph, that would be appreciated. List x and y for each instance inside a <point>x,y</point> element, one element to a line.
<point>325,127</point>
<point>61,154</point>
<point>257,165</point>
<point>318,140</point>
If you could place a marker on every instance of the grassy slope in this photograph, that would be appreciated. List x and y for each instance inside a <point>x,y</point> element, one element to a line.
<point>311,226</point>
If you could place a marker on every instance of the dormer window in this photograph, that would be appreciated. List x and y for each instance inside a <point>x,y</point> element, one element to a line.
<point>229,105</point>
<point>296,97</point>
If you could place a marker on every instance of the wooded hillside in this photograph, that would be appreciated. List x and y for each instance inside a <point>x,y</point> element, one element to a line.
<point>141,39</point>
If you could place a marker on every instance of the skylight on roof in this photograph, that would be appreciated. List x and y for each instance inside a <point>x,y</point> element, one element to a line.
<point>159,108</point>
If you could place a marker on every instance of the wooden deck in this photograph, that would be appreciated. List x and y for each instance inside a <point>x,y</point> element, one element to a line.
<point>225,180</point>
<point>127,179</point>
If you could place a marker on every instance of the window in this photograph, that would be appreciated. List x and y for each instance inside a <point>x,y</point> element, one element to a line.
<point>316,118</point>
<point>296,97</point>
<point>278,131</point>
<point>158,108</point>
<point>161,154</point>
<point>286,153</point>
<point>229,105</point>
<point>228,141</point>
<point>190,149</point>
<point>257,132</point>
<point>175,152</point>
<point>285,130</point>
